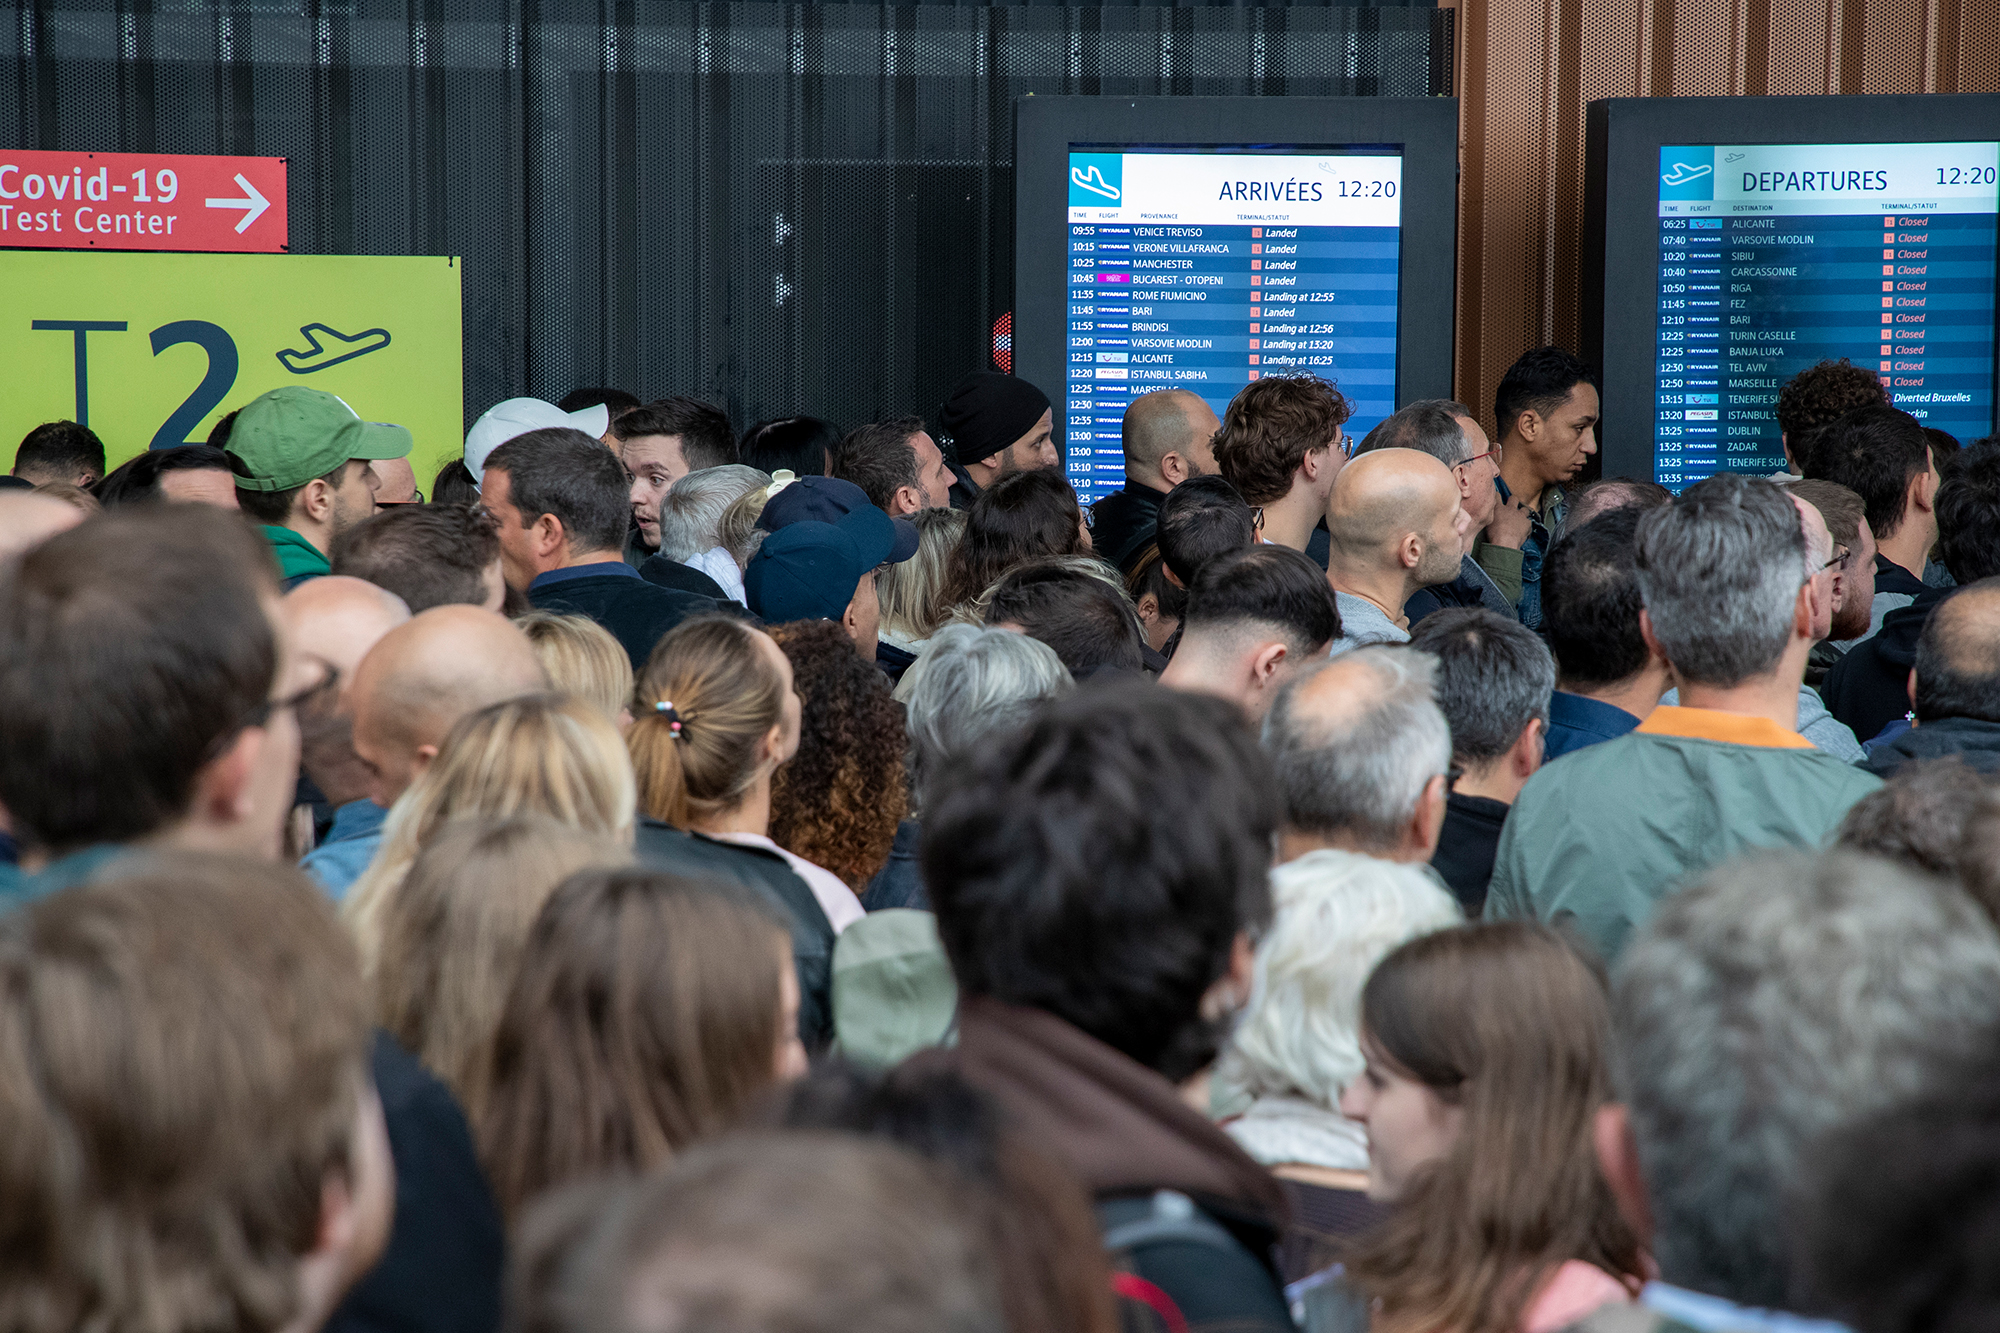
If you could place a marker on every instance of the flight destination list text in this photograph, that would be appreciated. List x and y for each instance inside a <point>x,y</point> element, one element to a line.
<point>1234,286</point>
<point>1773,258</point>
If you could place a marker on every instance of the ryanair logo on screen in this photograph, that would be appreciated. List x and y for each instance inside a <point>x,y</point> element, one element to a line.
<point>1096,180</point>
<point>1687,173</point>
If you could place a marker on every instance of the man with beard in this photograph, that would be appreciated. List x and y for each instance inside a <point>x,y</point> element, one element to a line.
<point>1167,437</point>
<point>1854,584</point>
<point>1397,524</point>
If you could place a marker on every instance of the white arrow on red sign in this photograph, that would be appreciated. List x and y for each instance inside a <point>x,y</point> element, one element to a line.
<point>254,202</point>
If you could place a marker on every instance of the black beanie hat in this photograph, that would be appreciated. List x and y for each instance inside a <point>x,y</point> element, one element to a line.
<point>984,413</point>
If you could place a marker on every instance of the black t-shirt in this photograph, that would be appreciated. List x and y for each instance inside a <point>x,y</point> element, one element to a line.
<point>1467,844</point>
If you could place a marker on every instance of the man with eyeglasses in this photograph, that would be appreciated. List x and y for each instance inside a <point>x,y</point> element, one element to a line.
<point>148,695</point>
<point>1736,582</point>
<point>1489,573</point>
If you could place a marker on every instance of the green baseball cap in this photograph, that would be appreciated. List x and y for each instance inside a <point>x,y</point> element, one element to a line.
<point>288,436</point>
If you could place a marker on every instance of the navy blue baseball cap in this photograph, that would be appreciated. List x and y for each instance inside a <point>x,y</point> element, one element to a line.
<point>829,500</point>
<point>809,570</point>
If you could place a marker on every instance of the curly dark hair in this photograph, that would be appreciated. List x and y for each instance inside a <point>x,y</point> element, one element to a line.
<point>1271,426</point>
<point>1820,393</point>
<point>839,799</point>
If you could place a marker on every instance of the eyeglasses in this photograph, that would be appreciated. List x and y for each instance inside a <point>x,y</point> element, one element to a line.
<point>1839,561</point>
<point>326,680</point>
<point>1492,453</point>
<point>1346,445</point>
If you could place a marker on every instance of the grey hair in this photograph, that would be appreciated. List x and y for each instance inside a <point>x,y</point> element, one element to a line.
<point>1719,572</point>
<point>1779,997</point>
<point>1494,677</point>
<point>1338,914</point>
<point>970,681</point>
<point>692,509</point>
<point>1430,426</point>
<point>1362,771</point>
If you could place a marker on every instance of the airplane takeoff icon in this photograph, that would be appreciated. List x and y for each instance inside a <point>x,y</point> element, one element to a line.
<point>1092,179</point>
<point>1682,173</point>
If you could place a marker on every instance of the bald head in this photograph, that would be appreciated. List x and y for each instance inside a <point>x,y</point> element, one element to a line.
<point>1361,747</point>
<point>424,676</point>
<point>1395,513</point>
<point>336,620</point>
<point>398,478</point>
<point>27,519</point>
<point>1167,437</point>
<point>1958,656</point>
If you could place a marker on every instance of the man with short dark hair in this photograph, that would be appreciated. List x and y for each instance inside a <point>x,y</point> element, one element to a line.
<point>1396,524</point>
<point>1546,409</point>
<point>1736,584</point>
<point>1954,685</point>
<point>1489,572</point>
<point>1773,1003</point>
<point>1362,754</point>
<point>818,563</point>
<point>60,453</point>
<point>1820,394</point>
<point>1281,446</point>
<point>1085,618</point>
<point>1869,688</point>
<point>992,425</point>
<point>190,473</point>
<point>1098,874</point>
<point>1881,455</point>
<point>147,694</point>
<point>896,464</point>
<point>1493,685</point>
<point>1609,679</point>
<point>1167,436</point>
<point>186,1064</point>
<point>1198,520</point>
<point>660,443</point>
<point>1253,619</point>
<point>301,462</point>
<point>428,555</point>
<point>560,500</point>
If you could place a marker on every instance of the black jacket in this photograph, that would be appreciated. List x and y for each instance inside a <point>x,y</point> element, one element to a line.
<point>1124,521</point>
<point>894,661</point>
<point>1870,687</point>
<point>636,612</point>
<point>1466,847</point>
<point>1974,741</point>
<point>900,882</point>
<point>964,490</point>
<point>677,577</point>
<point>659,846</point>
<point>441,1270</point>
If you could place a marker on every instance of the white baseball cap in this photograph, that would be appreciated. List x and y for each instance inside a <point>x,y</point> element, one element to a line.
<point>517,416</point>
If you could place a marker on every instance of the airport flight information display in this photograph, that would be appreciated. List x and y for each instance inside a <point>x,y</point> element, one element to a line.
<point>1775,256</point>
<point>1205,268</point>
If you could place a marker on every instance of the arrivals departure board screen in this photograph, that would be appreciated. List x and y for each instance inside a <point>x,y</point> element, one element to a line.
<point>1772,257</point>
<point>1203,268</point>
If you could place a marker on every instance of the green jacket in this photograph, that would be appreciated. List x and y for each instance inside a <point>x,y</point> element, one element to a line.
<point>298,559</point>
<point>1602,834</point>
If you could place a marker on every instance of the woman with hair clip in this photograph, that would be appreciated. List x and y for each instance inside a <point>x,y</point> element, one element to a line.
<point>1487,1050</point>
<point>716,717</point>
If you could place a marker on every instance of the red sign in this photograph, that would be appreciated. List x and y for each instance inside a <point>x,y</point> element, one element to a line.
<point>141,201</point>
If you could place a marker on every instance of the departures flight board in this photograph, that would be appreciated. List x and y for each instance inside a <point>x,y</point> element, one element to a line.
<point>1205,268</point>
<point>1773,257</point>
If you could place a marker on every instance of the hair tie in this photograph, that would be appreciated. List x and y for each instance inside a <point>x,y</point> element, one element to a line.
<point>665,709</point>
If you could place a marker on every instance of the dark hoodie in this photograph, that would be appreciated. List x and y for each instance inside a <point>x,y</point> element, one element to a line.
<point>1870,687</point>
<point>1126,1133</point>
<point>1975,741</point>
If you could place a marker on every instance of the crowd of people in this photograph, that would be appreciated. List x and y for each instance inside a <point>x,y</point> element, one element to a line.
<point>672,881</point>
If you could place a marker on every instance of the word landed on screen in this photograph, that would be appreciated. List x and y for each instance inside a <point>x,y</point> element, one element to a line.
<point>1775,256</point>
<point>1205,268</point>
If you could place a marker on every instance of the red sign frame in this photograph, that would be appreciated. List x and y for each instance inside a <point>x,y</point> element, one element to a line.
<point>142,201</point>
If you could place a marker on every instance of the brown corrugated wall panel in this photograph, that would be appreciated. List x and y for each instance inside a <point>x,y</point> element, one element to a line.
<point>1527,68</point>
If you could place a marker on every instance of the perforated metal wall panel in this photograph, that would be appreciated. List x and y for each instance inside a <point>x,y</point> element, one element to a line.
<point>785,208</point>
